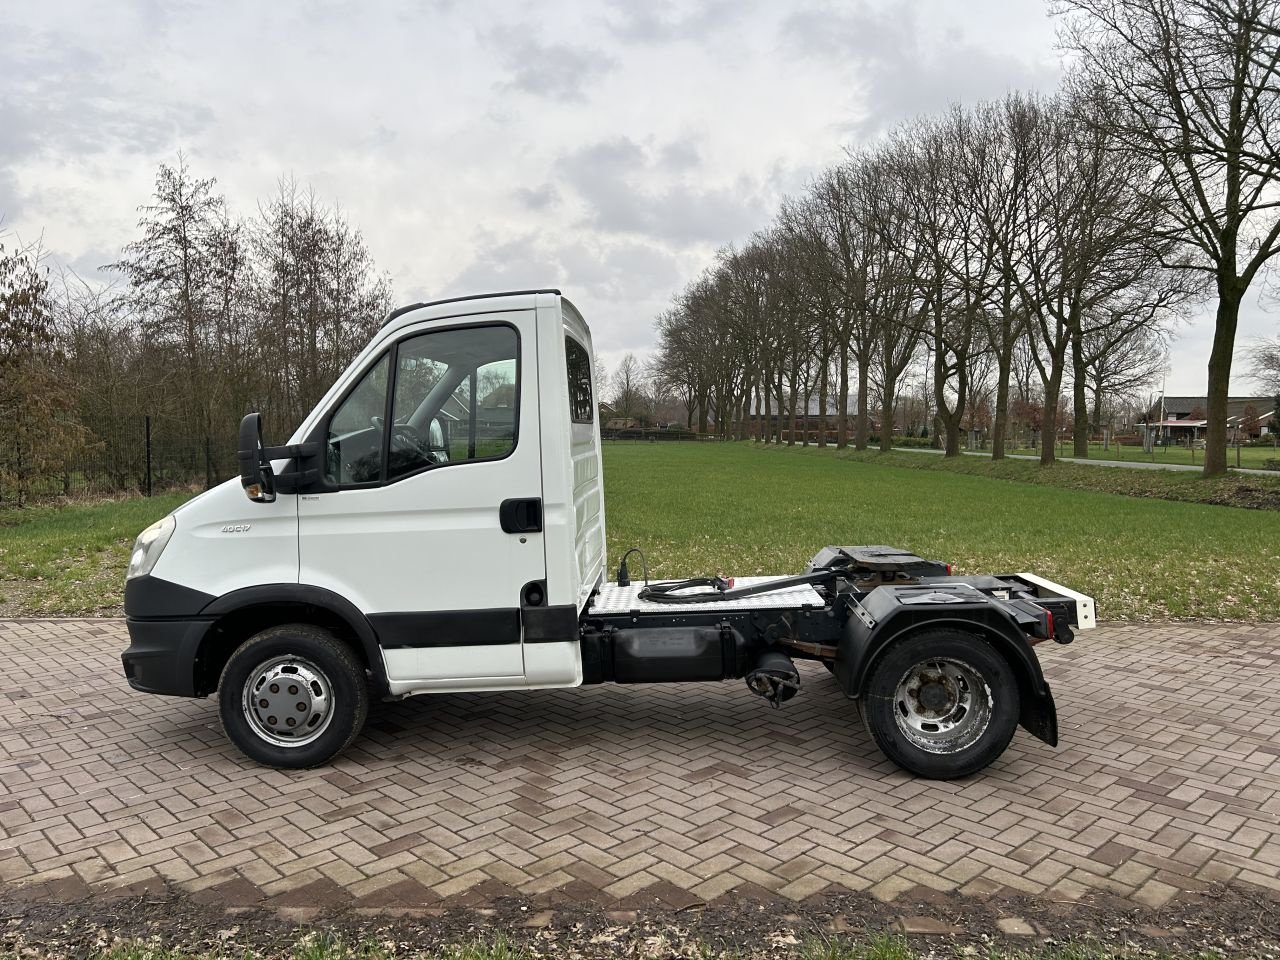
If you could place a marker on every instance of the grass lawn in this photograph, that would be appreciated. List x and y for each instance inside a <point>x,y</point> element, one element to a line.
<point>1250,457</point>
<point>58,561</point>
<point>1254,491</point>
<point>739,509</point>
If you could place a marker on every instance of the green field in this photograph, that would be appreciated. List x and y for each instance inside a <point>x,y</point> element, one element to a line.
<point>1254,491</point>
<point>739,509</point>
<point>1254,458</point>
<point>71,560</point>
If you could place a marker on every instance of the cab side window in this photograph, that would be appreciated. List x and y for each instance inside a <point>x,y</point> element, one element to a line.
<point>579,363</point>
<point>456,398</point>
<point>354,447</point>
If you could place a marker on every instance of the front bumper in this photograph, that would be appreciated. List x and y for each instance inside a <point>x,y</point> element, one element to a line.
<point>161,657</point>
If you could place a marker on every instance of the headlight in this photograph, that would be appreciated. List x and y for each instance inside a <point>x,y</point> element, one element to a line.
<point>148,547</point>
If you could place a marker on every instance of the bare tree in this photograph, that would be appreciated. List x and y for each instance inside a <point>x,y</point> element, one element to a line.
<point>37,398</point>
<point>316,292</point>
<point>677,363</point>
<point>1193,89</point>
<point>108,362</point>
<point>1264,364</point>
<point>996,169</point>
<point>1120,365</point>
<point>890,282</point>
<point>171,275</point>
<point>841,216</point>
<point>955,258</point>
<point>1094,249</point>
<point>628,387</point>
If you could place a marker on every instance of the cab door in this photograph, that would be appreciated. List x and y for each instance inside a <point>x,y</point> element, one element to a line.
<point>428,517</point>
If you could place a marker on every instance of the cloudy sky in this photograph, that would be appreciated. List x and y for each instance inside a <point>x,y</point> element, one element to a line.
<point>607,148</point>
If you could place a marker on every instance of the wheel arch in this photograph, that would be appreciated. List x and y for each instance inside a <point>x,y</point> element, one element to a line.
<point>236,616</point>
<point>1037,713</point>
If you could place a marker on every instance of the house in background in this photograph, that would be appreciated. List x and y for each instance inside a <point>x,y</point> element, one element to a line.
<point>1181,420</point>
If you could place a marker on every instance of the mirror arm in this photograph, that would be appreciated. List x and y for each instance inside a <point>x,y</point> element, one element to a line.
<point>291,450</point>
<point>296,481</point>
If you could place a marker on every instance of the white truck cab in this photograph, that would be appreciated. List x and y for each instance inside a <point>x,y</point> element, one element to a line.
<point>438,523</point>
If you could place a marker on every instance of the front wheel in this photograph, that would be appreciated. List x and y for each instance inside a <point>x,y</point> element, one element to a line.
<point>941,704</point>
<point>293,696</point>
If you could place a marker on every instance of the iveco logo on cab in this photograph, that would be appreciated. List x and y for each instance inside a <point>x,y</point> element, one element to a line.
<point>236,528</point>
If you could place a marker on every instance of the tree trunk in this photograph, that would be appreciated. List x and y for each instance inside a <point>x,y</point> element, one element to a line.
<point>864,412</point>
<point>886,416</point>
<point>1095,418</point>
<point>1049,418</point>
<point>804,416</point>
<point>842,391</point>
<point>1224,338</point>
<point>767,424</point>
<point>1000,426</point>
<point>823,387</point>
<point>950,421</point>
<point>781,408</point>
<point>1080,429</point>
<point>951,426</point>
<point>791,416</point>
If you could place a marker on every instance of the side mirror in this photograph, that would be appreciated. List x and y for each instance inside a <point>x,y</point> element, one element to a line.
<point>438,438</point>
<point>255,469</point>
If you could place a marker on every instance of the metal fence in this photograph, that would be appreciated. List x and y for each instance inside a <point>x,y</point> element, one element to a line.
<point>654,434</point>
<point>142,457</point>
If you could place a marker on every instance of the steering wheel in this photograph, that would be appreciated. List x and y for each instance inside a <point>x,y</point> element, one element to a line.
<point>406,439</point>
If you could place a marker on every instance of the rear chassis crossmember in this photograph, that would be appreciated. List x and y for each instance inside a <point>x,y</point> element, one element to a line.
<point>848,607</point>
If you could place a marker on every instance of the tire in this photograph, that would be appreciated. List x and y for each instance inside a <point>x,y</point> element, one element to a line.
<point>941,704</point>
<point>328,702</point>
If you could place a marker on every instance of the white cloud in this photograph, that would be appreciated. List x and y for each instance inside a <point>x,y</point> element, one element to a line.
<point>609,149</point>
<point>555,70</point>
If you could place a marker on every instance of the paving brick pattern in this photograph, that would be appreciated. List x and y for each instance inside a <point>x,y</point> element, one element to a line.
<point>1167,780</point>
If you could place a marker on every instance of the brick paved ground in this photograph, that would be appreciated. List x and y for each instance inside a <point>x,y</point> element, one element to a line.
<point>1167,780</point>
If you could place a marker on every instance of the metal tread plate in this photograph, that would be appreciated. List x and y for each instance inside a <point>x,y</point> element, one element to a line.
<point>613,599</point>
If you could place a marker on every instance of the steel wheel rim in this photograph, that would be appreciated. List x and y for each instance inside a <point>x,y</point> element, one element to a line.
<point>943,705</point>
<point>288,701</point>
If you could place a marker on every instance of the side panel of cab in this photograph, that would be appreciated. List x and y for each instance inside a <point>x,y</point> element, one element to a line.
<point>573,491</point>
<point>584,447</point>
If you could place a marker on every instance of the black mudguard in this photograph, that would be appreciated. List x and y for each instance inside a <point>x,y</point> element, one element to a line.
<point>303,595</point>
<point>889,613</point>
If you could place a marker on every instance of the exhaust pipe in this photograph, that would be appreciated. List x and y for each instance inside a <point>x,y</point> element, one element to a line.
<point>774,677</point>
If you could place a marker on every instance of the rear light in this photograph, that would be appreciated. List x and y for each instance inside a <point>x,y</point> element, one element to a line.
<point>949,569</point>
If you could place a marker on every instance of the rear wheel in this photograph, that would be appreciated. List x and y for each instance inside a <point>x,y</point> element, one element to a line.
<point>293,696</point>
<point>941,704</point>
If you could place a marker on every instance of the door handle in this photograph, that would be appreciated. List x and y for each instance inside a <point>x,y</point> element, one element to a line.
<point>521,516</point>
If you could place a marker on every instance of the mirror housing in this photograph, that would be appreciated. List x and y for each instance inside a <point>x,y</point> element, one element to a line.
<point>256,476</point>
<point>438,437</point>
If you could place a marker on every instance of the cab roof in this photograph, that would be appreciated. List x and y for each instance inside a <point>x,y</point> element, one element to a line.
<point>512,300</point>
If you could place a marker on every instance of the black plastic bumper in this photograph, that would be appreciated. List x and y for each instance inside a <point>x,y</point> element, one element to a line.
<point>162,655</point>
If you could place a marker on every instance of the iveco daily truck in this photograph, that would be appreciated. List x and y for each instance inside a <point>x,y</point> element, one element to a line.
<point>438,523</point>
